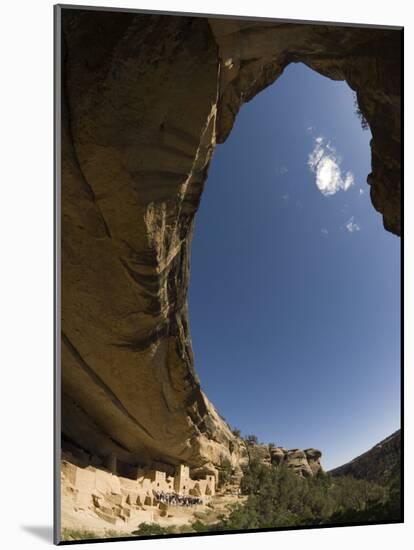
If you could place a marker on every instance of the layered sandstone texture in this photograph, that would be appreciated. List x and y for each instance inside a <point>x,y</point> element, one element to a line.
<point>305,463</point>
<point>145,100</point>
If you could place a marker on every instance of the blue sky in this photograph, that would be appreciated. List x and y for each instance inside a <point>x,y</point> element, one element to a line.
<point>294,290</point>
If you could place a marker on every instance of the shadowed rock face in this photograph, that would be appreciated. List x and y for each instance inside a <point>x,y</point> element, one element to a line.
<point>145,99</point>
<point>382,463</point>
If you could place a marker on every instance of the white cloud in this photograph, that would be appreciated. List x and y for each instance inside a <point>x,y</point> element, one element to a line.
<point>282,170</point>
<point>351,226</point>
<point>310,129</point>
<point>324,162</point>
<point>324,230</point>
<point>285,197</point>
<point>361,191</point>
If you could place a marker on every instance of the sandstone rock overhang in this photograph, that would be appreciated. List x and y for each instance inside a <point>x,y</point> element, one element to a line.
<point>145,100</point>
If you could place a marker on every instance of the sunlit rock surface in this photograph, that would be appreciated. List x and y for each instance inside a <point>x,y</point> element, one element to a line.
<point>306,463</point>
<point>145,99</point>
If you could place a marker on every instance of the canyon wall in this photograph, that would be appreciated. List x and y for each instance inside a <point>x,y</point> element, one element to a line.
<point>381,464</point>
<point>145,100</point>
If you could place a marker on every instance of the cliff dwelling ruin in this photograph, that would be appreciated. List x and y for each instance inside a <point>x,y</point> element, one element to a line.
<point>145,99</point>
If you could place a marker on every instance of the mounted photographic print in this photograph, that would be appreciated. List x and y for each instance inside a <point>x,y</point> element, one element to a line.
<point>228,274</point>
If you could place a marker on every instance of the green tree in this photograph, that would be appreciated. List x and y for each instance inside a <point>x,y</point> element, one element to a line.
<point>360,114</point>
<point>146,529</point>
<point>225,472</point>
<point>278,497</point>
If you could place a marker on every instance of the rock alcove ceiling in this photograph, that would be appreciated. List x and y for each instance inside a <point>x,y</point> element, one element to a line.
<point>145,100</point>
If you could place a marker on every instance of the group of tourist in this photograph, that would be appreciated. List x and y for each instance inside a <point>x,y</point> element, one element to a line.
<point>174,499</point>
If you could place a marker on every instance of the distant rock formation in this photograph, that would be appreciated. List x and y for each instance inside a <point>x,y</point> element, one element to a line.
<point>306,463</point>
<point>145,100</point>
<point>381,463</point>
